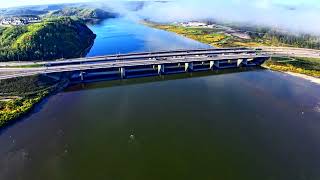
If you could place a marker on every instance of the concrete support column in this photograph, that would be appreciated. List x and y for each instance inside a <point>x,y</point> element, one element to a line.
<point>160,69</point>
<point>211,64</point>
<point>82,75</point>
<point>239,62</point>
<point>188,66</point>
<point>214,64</point>
<point>123,72</point>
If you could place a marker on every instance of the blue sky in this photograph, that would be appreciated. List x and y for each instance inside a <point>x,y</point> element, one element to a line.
<point>10,3</point>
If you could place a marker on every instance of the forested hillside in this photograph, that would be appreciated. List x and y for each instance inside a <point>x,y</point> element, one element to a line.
<point>281,38</point>
<point>86,14</point>
<point>51,39</point>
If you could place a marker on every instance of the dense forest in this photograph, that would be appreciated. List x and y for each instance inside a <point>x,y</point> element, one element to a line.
<point>281,38</point>
<point>301,40</point>
<point>86,14</point>
<point>51,39</point>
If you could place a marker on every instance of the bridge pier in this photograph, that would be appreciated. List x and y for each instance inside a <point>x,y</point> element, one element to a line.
<point>160,69</point>
<point>82,75</point>
<point>214,64</point>
<point>242,62</point>
<point>123,72</point>
<point>188,67</point>
<point>211,65</point>
<point>239,62</point>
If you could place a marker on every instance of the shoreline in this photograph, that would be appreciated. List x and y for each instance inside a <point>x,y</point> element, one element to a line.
<point>315,80</point>
<point>312,79</point>
<point>30,103</point>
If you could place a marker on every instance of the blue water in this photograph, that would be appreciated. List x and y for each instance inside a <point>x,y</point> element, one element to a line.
<point>123,36</point>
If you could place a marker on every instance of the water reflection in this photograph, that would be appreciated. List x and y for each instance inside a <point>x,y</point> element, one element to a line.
<point>136,81</point>
<point>124,36</point>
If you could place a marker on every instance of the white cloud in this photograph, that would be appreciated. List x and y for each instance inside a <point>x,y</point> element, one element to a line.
<point>12,3</point>
<point>298,16</point>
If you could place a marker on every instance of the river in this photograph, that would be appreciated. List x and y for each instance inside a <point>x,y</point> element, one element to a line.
<point>248,125</point>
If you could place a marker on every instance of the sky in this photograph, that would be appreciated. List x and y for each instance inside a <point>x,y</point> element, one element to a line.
<point>298,16</point>
<point>12,3</point>
<point>293,15</point>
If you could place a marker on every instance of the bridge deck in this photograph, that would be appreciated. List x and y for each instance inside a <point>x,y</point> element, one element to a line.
<point>132,60</point>
<point>135,56</point>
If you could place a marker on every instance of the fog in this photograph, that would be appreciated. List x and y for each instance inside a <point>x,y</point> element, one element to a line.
<point>302,18</point>
<point>299,16</point>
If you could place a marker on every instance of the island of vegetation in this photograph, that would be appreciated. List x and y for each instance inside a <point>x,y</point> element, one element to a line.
<point>231,35</point>
<point>53,38</point>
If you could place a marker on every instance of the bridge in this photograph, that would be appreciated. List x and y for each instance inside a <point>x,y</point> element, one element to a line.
<point>122,66</point>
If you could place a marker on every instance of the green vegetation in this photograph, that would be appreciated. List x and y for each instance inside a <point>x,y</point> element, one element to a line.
<point>307,66</point>
<point>272,37</point>
<point>23,66</point>
<point>258,37</point>
<point>19,95</point>
<point>1,30</point>
<point>51,39</point>
<point>219,37</point>
<point>91,15</point>
<point>205,35</point>
<point>12,109</point>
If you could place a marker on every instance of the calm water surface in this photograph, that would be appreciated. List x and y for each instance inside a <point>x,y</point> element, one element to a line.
<point>258,125</point>
<point>124,36</point>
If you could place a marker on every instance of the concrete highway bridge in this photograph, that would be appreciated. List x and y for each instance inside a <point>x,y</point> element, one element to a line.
<point>131,65</point>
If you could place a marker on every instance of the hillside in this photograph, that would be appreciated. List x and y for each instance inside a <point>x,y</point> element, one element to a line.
<point>86,14</point>
<point>50,39</point>
<point>21,12</point>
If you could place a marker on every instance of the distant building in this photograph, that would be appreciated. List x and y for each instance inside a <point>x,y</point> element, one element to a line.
<point>194,24</point>
<point>19,21</point>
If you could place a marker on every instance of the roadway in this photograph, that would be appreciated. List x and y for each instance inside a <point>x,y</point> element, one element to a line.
<point>8,69</point>
<point>291,52</point>
<point>133,56</point>
<point>6,73</point>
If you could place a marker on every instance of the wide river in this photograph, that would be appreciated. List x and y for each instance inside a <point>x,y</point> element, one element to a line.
<point>230,125</point>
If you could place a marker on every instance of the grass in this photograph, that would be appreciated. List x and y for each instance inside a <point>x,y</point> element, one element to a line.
<point>18,96</point>
<point>215,36</point>
<point>10,110</point>
<point>204,35</point>
<point>23,66</point>
<point>307,66</point>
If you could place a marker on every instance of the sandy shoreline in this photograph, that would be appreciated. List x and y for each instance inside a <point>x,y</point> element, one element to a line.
<point>306,77</point>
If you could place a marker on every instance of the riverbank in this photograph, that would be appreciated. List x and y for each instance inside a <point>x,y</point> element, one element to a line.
<point>20,95</point>
<point>217,38</point>
<point>309,78</point>
<point>214,37</point>
<point>306,67</point>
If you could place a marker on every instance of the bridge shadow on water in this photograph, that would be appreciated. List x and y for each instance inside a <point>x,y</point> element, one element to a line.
<point>104,83</point>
